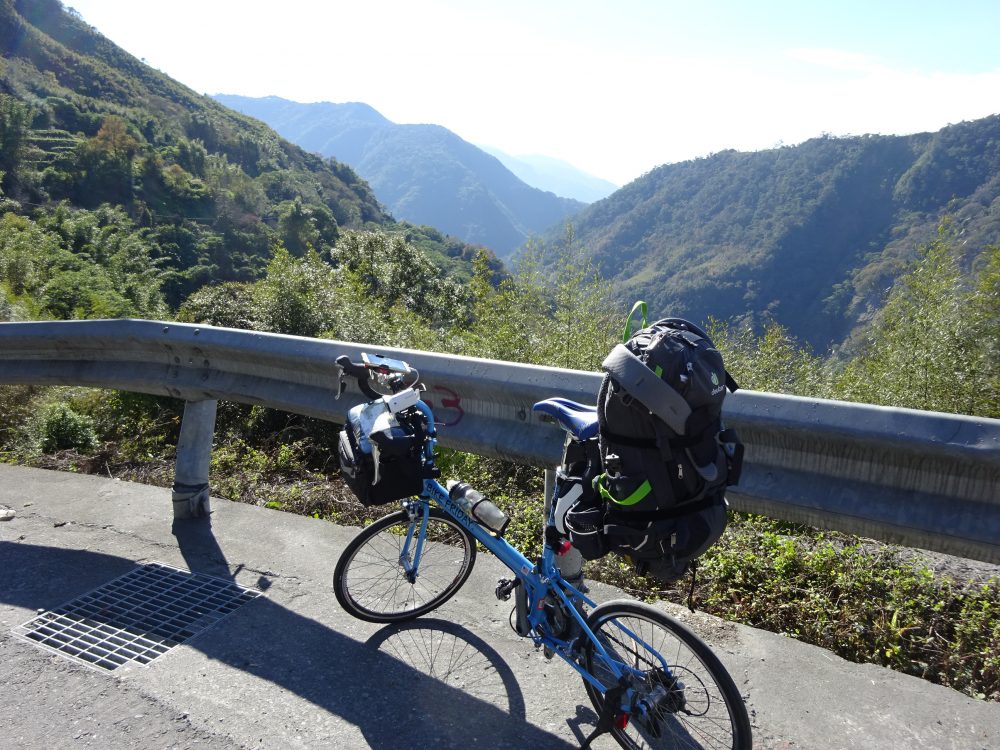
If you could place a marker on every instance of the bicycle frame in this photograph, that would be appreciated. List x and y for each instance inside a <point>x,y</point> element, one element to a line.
<point>539,580</point>
<point>636,678</point>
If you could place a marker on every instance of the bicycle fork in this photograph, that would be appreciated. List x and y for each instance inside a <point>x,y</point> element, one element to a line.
<point>415,534</point>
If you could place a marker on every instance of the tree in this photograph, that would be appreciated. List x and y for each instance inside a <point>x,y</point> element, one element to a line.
<point>581,309</point>
<point>506,320</point>
<point>26,251</point>
<point>393,272</point>
<point>229,305</point>
<point>114,140</point>
<point>296,227</point>
<point>298,296</point>
<point>558,315</point>
<point>773,362</point>
<point>83,294</point>
<point>105,164</point>
<point>78,264</point>
<point>934,343</point>
<point>14,121</point>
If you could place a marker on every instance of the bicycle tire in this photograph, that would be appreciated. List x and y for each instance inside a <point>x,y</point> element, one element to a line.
<point>707,712</point>
<point>370,583</point>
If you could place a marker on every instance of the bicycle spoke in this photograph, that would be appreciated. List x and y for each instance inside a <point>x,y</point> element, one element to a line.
<point>371,581</point>
<point>683,698</point>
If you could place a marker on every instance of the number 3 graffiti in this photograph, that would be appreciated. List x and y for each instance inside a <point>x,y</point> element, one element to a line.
<point>451,403</point>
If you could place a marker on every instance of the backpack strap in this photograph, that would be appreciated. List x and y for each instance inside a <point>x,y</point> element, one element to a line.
<point>731,383</point>
<point>642,383</point>
<point>615,517</point>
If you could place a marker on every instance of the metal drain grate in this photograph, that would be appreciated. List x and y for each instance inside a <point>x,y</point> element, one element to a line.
<point>136,617</point>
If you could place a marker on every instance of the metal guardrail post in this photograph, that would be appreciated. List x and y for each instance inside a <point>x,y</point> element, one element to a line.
<point>194,456</point>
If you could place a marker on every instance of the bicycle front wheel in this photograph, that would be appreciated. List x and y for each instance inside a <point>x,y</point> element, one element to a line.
<point>684,697</point>
<point>380,579</point>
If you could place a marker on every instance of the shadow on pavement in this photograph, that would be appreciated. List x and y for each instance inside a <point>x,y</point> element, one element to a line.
<point>423,683</point>
<point>455,656</point>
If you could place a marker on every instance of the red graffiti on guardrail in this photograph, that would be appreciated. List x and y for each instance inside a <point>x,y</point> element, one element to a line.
<point>451,402</point>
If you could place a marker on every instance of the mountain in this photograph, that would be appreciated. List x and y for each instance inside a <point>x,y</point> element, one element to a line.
<point>811,236</point>
<point>206,191</point>
<point>555,175</point>
<point>424,174</point>
<point>86,123</point>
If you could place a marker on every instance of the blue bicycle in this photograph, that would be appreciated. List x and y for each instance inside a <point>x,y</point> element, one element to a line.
<point>652,682</point>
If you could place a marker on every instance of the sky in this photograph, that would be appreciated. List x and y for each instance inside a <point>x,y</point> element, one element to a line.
<point>615,88</point>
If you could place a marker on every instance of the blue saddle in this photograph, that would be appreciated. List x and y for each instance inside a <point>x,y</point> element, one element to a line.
<point>579,420</point>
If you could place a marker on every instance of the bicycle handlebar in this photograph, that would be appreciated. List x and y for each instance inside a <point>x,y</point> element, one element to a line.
<point>362,373</point>
<point>359,372</point>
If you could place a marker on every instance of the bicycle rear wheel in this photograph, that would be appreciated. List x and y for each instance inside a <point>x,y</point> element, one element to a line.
<point>684,696</point>
<point>371,582</point>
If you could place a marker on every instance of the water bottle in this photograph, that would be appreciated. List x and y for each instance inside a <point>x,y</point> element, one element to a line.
<point>481,509</point>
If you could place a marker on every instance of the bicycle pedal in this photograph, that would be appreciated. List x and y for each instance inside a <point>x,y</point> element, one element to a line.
<point>505,586</point>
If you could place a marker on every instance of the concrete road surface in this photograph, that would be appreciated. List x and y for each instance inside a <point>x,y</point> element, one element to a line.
<point>291,670</point>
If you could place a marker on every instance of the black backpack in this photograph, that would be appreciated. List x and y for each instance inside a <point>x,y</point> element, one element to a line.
<point>665,458</point>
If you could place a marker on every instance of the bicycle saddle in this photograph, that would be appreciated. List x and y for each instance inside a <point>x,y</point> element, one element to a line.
<point>579,420</point>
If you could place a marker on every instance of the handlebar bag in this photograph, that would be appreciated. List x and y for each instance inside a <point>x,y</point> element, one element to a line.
<point>381,457</point>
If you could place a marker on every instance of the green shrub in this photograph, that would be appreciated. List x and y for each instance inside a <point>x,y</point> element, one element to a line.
<point>141,426</point>
<point>61,428</point>
<point>15,414</point>
<point>865,601</point>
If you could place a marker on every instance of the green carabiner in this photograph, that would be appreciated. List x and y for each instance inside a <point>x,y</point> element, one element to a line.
<point>629,330</point>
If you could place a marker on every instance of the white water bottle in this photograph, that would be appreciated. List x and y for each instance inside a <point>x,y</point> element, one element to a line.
<point>478,507</point>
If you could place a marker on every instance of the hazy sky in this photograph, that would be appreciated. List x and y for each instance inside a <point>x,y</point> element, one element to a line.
<point>615,88</point>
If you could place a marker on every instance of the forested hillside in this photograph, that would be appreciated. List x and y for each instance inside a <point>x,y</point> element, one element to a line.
<point>137,191</point>
<point>811,236</point>
<point>424,173</point>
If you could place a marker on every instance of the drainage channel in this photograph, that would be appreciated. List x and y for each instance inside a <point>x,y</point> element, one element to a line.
<point>137,617</point>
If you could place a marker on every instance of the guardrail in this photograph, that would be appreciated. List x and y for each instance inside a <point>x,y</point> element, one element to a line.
<point>921,479</point>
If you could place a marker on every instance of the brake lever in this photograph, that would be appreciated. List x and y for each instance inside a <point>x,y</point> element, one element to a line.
<point>341,383</point>
<point>359,373</point>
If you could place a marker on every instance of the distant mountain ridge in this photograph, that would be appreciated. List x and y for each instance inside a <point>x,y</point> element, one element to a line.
<point>424,174</point>
<point>555,175</point>
<point>811,236</point>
